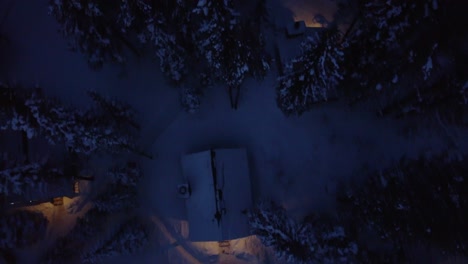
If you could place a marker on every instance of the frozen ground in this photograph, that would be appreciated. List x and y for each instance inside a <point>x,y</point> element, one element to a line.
<point>295,161</point>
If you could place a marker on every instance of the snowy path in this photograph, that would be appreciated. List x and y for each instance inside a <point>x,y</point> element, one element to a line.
<point>292,160</point>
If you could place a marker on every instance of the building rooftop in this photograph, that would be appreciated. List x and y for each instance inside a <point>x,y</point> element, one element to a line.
<point>220,194</point>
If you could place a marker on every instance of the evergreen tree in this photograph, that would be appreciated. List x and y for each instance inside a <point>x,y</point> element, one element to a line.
<point>419,200</point>
<point>104,31</point>
<point>315,240</point>
<point>131,237</point>
<point>84,132</point>
<point>171,55</point>
<point>120,112</point>
<point>232,49</point>
<point>116,198</point>
<point>69,247</point>
<point>257,59</point>
<point>132,16</point>
<point>383,46</point>
<point>169,31</point>
<point>403,56</point>
<point>14,115</point>
<point>15,179</point>
<point>21,229</point>
<point>92,28</point>
<point>121,193</point>
<point>81,132</point>
<point>127,175</point>
<point>291,241</point>
<point>313,76</point>
<point>190,98</point>
<point>332,244</point>
<point>214,20</point>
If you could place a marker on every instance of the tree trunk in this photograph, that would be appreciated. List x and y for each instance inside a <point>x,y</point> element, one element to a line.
<point>234,96</point>
<point>129,45</point>
<point>138,151</point>
<point>231,99</point>
<point>236,100</point>
<point>351,27</point>
<point>25,145</point>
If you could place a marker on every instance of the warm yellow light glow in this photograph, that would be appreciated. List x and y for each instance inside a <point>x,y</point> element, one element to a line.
<point>306,10</point>
<point>207,247</point>
<point>171,240</point>
<point>76,187</point>
<point>224,251</point>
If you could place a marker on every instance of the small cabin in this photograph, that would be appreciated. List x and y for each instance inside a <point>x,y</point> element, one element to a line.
<point>217,193</point>
<point>46,191</point>
<point>295,29</point>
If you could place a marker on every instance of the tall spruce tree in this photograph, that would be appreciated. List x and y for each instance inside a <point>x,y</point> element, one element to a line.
<point>313,76</point>
<point>417,201</point>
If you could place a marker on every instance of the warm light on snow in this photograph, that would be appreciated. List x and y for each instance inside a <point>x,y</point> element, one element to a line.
<point>307,10</point>
<point>246,248</point>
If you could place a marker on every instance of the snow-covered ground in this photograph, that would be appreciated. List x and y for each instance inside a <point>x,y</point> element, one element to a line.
<point>61,221</point>
<point>295,161</point>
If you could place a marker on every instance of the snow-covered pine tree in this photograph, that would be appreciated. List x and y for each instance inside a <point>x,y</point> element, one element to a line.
<point>394,19</point>
<point>411,202</point>
<point>234,67</point>
<point>81,132</point>
<point>232,48</point>
<point>121,112</point>
<point>314,240</point>
<point>34,114</point>
<point>373,201</point>
<point>15,180</point>
<point>243,55</point>
<point>132,236</point>
<point>172,56</point>
<point>216,25</point>
<point>213,21</point>
<point>435,66</point>
<point>392,54</point>
<point>116,198</point>
<point>257,59</point>
<point>54,122</point>
<point>113,125</point>
<point>70,246</point>
<point>292,241</point>
<point>332,245</point>
<point>88,27</point>
<point>121,194</point>
<point>14,115</point>
<point>21,229</point>
<point>190,98</point>
<point>313,76</point>
<point>132,16</point>
<point>127,174</point>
